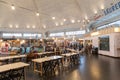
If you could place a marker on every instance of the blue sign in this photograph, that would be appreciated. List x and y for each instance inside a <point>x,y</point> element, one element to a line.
<point>112,9</point>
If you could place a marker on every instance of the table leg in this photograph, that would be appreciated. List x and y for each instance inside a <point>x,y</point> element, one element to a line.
<point>34,66</point>
<point>69,59</point>
<point>24,73</point>
<point>41,69</point>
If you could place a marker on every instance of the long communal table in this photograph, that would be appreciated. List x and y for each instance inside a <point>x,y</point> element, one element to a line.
<point>72,50</point>
<point>46,63</point>
<point>43,54</point>
<point>14,71</point>
<point>69,54</point>
<point>7,58</point>
<point>71,58</point>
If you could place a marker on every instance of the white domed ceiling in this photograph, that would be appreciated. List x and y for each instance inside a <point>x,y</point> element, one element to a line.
<point>54,15</point>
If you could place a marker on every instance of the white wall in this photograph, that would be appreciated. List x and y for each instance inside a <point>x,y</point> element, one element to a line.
<point>94,40</point>
<point>114,42</point>
<point>112,46</point>
<point>117,44</point>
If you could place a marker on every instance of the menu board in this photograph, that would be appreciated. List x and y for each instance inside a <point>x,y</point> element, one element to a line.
<point>104,43</point>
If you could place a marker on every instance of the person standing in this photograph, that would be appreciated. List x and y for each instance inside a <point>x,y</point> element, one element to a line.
<point>90,49</point>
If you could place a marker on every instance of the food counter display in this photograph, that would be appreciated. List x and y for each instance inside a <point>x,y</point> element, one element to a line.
<point>19,46</point>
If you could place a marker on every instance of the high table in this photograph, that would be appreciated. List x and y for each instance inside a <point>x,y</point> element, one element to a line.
<point>13,71</point>
<point>45,63</point>
<point>7,58</point>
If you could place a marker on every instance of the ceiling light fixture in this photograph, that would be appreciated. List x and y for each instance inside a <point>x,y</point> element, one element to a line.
<point>11,26</point>
<point>44,26</point>
<point>78,21</point>
<point>56,24</point>
<point>88,20</point>
<point>28,26</point>
<point>17,26</point>
<point>61,23</point>
<point>86,17</point>
<point>12,7</point>
<point>102,7</point>
<point>1,40</point>
<point>95,12</point>
<point>64,20</point>
<point>73,21</point>
<point>83,21</point>
<point>33,27</point>
<point>53,18</point>
<point>37,14</point>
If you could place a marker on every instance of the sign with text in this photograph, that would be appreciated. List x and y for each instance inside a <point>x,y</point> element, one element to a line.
<point>112,8</point>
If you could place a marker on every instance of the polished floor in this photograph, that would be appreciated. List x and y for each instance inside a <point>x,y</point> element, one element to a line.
<point>90,68</point>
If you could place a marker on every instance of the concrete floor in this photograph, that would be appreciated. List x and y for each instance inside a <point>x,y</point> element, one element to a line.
<point>90,68</point>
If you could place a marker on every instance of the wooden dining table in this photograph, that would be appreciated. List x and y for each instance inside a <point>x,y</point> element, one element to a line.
<point>7,58</point>
<point>13,71</point>
<point>40,61</point>
<point>68,56</point>
<point>43,54</point>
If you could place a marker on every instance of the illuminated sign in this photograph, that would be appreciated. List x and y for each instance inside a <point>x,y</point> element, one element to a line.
<point>57,34</point>
<point>27,35</point>
<point>31,35</point>
<point>75,32</point>
<point>12,35</point>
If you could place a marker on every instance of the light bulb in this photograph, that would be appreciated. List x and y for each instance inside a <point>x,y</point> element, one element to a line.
<point>41,40</point>
<point>78,21</point>
<point>17,26</point>
<point>13,7</point>
<point>53,18</point>
<point>61,23</point>
<point>37,14</point>
<point>86,17</point>
<point>102,7</point>
<point>95,12</point>
<point>88,20</point>
<point>64,20</point>
<point>11,26</point>
<point>44,26</point>
<point>73,21</point>
<point>1,40</point>
<point>56,24</point>
<point>28,26</point>
<point>33,26</point>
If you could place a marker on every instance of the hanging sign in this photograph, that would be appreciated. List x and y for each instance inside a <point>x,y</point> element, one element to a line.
<point>112,8</point>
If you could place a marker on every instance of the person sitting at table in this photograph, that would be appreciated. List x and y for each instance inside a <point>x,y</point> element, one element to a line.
<point>22,49</point>
<point>31,56</point>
